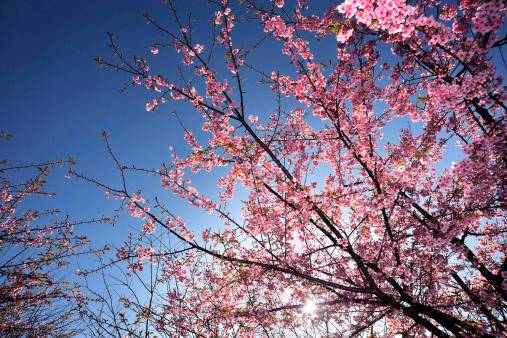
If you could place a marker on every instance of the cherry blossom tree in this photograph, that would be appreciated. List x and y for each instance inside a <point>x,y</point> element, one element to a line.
<point>338,232</point>
<point>37,297</point>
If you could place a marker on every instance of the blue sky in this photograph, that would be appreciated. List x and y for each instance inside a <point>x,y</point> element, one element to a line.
<point>56,101</point>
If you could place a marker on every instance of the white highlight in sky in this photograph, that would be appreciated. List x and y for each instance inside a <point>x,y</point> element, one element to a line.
<point>310,307</point>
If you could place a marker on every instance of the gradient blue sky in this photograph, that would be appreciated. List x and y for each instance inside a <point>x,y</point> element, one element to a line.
<point>56,101</point>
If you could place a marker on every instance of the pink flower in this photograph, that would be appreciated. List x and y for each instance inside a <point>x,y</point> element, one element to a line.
<point>448,12</point>
<point>343,35</point>
<point>149,226</point>
<point>218,18</point>
<point>279,3</point>
<point>136,79</point>
<point>198,48</point>
<point>150,106</point>
<point>253,118</point>
<point>489,17</point>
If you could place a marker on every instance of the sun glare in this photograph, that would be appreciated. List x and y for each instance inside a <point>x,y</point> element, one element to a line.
<point>309,307</point>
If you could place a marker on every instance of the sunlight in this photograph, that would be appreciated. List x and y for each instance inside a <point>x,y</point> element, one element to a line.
<point>310,307</point>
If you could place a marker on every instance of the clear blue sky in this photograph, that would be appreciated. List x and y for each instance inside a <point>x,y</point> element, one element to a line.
<point>56,101</point>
